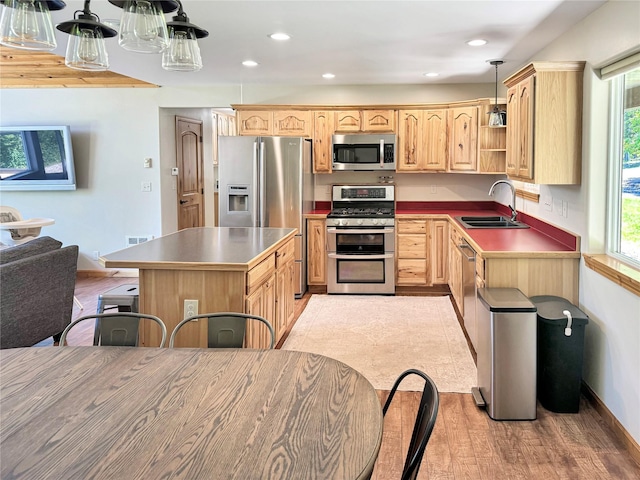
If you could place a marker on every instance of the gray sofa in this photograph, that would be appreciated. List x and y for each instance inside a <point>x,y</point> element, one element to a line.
<point>37,281</point>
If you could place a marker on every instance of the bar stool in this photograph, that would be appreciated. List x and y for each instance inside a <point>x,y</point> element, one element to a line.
<point>124,297</point>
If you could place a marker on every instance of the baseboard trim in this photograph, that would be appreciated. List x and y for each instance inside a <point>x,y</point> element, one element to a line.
<point>631,445</point>
<point>107,273</point>
<point>95,273</point>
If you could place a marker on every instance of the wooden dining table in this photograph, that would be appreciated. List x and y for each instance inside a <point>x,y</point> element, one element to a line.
<point>152,413</point>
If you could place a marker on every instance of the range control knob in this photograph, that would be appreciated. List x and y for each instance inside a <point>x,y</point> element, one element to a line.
<point>360,221</point>
<point>375,221</point>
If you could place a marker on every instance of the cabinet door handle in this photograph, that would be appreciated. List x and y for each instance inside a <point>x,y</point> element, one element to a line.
<point>182,202</point>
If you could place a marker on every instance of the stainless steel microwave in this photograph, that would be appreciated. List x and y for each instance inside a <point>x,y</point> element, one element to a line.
<point>364,152</point>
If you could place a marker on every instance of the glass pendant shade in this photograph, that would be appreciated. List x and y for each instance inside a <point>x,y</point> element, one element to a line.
<point>143,28</point>
<point>183,54</point>
<point>496,116</point>
<point>86,49</point>
<point>26,24</point>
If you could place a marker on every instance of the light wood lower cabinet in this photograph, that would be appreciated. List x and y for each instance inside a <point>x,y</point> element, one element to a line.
<point>317,252</point>
<point>285,288</point>
<point>455,269</point>
<point>412,252</point>
<point>261,302</point>
<point>534,275</point>
<point>439,252</point>
<point>422,251</point>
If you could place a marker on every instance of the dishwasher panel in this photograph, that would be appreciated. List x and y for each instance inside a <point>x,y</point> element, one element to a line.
<point>469,290</point>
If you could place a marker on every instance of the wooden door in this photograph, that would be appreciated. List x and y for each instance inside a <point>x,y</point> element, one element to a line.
<point>379,121</point>
<point>513,148</point>
<point>435,140</point>
<point>463,139</point>
<point>190,173</point>
<point>348,121</point>
<point>525,128</point>
<point>410,141</point>
<point>317,252</point>
<point>322,131</point>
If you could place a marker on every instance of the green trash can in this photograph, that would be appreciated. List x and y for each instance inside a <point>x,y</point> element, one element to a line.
<point>560,352</point>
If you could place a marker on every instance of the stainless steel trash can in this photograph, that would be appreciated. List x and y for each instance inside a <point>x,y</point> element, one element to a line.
<point>506,321</point>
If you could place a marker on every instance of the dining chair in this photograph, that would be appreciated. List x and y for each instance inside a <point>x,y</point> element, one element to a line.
<point>224,329</point>
<point>117,329</point>
<point>425,421</point>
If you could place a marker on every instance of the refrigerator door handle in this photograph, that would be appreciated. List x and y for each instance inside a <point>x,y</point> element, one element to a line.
<point>262,190</point>
<point>255,195</point>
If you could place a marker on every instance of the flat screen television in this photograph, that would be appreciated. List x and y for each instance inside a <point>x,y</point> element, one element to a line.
<point>36,158</point>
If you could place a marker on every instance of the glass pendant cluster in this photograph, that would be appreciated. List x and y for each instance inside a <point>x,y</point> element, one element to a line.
<point>26,24</point>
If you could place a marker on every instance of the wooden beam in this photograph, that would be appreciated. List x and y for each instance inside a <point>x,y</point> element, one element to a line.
<point>28,69</point>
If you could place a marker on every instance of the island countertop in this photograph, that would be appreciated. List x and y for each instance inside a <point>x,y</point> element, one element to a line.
<point>202,248</point>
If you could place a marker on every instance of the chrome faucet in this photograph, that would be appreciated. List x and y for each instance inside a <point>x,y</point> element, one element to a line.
<point>513,195</point>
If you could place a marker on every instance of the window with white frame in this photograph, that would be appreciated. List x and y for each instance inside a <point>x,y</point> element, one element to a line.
<point>623,209</point>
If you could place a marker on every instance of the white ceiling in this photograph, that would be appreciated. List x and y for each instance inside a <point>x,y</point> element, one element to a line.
<point>361,42</point>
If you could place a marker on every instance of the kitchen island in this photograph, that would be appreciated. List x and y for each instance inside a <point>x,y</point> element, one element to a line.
<point>243,269</point>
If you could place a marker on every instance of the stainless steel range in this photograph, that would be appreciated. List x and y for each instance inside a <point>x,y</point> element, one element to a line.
<point>361,240</point>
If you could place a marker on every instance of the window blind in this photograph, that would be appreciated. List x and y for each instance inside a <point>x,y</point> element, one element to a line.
<point>620,67</point>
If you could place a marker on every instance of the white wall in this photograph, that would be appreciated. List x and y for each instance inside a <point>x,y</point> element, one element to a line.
<point>114,130</point>
<point>612,346</point>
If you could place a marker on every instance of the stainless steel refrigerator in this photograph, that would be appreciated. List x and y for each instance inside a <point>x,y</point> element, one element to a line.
<point>267,182</point>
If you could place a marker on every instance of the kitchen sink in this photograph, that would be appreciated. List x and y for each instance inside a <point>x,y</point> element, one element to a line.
<point>490,222</point>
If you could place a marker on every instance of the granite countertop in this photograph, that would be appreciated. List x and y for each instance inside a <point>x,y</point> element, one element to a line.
<point>205,248</point>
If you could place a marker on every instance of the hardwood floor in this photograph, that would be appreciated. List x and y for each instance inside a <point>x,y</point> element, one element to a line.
<point>465,443</point>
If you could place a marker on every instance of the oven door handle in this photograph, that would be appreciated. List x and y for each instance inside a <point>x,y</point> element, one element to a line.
<point>359,231</point>
<point>360,257</point>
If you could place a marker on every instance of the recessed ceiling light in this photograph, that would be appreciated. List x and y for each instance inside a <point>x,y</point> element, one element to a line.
<point>431,74</point>
<point>250,63</point>
<point>477,42</point>
<point>279,36</point>
<point>328,75</point>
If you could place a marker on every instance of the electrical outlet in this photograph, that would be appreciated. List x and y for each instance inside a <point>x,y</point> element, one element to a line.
<point>190,308</point>
<point>96,255</point>
<point>565,208</point>
<point>146,186</point>
<point>548,203</point>
<point>434,189</point>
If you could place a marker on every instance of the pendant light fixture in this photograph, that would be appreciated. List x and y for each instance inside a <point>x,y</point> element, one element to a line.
<point>495,116</point>
<point>86,49</point>
<point>27,25</point>
<point>183,53</point>
<point>143,28</point>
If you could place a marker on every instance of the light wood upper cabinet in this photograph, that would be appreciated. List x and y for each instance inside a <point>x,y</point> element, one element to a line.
<point>355,121</point>
<point>293,123</point>
<point>323,122</point>
<point>317,252</point>
<point>422,141</point>
<point>255,122</point>
<point>286,123</point>
<point>544,123</point>
<point>463,139</point>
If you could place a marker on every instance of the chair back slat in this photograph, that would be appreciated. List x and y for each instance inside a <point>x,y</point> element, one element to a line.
<point>117,329</point>
<point>424,423</point>
<point>225,329</point>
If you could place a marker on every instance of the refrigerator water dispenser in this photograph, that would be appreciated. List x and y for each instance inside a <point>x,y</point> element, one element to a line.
<point>238,198</point>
